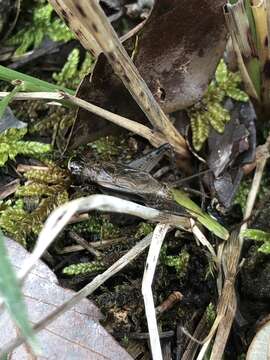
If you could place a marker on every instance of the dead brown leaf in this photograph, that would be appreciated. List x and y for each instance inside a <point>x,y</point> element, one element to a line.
<point>176,52</point>
<point>76,334</point>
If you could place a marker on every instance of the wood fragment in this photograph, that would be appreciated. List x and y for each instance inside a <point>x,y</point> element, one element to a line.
<point>81,241</point>
<point>9,189</point>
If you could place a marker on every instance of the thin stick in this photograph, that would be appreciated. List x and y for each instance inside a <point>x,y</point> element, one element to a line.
<point>267,7</point>
<point>93,21</point>
<point>150,267</point>
<point>88,42</point>
<point>239,29</point>
<point>262,155</point>
<point>81,241</point>
<point>84,292</point>
<point>155,138</point>
<point>202,239</point>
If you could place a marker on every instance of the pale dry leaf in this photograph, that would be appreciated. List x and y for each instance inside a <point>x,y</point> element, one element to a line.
<point>259,349</point>
<point>77,334</point>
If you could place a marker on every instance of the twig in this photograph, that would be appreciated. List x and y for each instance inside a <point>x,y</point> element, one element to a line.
<point>262,155</point>
<point>81,241</point>
<point>9,189</point>
<point>150,266</point>
<point>92,21</point>
<point>155,138</point>
<point>202,239</point>
<point>199,333</point>
<point>88,42</point>
<point>22,168</point>
<point>233,29</point>
<point>84,292</point>
<point>96,245</point>
<point>227,302</point>
<point>168,303</point>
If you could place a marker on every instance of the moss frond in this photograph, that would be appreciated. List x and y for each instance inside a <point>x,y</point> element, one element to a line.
<point>10,218</point>
<point>71,74</point>
<point>50,188</point>
<point>179,262</point>
<point>84,268</point>
<point>209,112</point>
<point>143,230</point>
<point>43,24</point>
<point>97,224</point>
<point>11,144</point>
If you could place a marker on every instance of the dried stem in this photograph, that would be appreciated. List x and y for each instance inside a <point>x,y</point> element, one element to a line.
<point>149,272</point>
<point>244,44</point>
<point>155,138</point>
<point>87,18</point>
<point>81,241</point>
<point>88,42</point>
<point>232,250</point>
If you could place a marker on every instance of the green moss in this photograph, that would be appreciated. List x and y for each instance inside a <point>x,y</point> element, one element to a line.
<point>50,189</point>
<point>211,267</point>
<point>11,144</point>
<point>178,262</point>
<point>99,225</point>
<point>244,188</point>
<point>71,74</point>
<point>107,147</point>
<point>143,230</point>
<point>209,112</point>
<point>42,24</point>
<point>210,314</point>
<point>242,194</point>
<point>83,268</point>
<point>261,236</point>
<point>9,218</point>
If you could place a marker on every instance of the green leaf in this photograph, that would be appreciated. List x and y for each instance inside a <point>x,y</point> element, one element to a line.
<point>195,211</point>
<point>255,234</point>
<point>265,248</point>
<point>13,298</point>
<point>259,235</point>
<point>7,99</point>
<point>30,83</point>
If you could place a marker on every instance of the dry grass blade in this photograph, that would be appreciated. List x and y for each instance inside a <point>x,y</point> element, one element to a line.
<point>241,64</point>
<point>231,255</point>
<point>89,17</point>
<point>243,40</point>
<point>149,272</point>
<point>154,137</point>
<point>227,302</point>
<point>88,42</point>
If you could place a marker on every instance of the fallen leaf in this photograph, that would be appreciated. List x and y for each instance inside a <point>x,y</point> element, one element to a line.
<point>259,349</point>
<point>230,151</point>
<point>76,334</point>
<point>9,121</point>
<point>176,52</point>
<point>13,299</point>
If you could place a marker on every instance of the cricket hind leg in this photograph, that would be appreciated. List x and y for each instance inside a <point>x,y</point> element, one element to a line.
<point>153,157</point>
